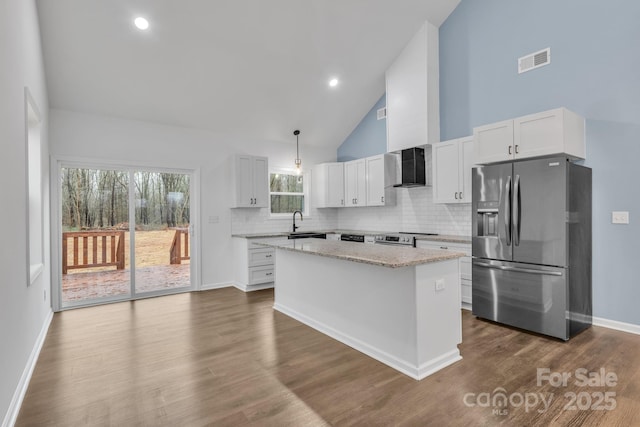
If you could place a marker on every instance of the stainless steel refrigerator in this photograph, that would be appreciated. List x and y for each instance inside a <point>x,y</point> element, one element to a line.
<point>531,245</point>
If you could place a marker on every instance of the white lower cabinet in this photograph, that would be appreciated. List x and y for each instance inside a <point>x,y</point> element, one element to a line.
<point>254,265</point>
<point>465,265</point>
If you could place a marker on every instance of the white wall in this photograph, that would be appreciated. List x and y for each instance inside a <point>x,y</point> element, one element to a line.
<point>23,309</point>
<point>108,139</point>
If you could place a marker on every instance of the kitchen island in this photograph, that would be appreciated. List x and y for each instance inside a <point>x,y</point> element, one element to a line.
<point>398,305</point>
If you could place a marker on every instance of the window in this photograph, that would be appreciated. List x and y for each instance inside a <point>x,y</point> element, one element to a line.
<point>287,193</point>
<point>35,225</point>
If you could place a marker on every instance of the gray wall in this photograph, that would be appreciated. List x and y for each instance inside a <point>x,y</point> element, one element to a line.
<point>368,138</point>
<point>593,71</point>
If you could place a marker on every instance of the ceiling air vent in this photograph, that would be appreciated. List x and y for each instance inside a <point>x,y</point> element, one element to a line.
<point>534,60</point>
<point>382,113</point>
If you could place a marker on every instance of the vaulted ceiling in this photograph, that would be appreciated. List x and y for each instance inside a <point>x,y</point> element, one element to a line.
<point>258,68</point>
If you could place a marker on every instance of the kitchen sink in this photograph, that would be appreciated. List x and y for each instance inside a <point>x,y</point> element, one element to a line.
<point>307,235</point>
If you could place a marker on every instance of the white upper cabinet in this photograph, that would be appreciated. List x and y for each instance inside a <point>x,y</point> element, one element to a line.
<point>251,181</point>
<point>550,132</point>
<point>380,179</point>
<point>358,183</point>
<point>328,185</point>
<point>413,108</point>
<point>557,131</point>
<point>355,183</point>
<point>494,142</point>
<point>452,163</point>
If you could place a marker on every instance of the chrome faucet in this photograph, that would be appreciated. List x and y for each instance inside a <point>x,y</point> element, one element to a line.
<point>295,227</point>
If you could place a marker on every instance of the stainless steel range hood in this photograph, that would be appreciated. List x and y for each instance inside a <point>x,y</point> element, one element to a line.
<point>413,168</point>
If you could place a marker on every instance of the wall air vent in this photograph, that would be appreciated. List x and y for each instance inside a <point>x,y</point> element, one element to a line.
<point>534,60</point>
<point>382,113</point>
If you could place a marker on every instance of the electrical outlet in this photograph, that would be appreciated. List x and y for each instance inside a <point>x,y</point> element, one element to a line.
<point>621,217</point>
<point>440,285</point>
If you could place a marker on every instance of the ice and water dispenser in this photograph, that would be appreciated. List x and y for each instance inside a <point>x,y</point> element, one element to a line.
<point>488,218</point>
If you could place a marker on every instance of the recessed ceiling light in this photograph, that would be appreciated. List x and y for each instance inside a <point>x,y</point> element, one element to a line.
<point>141,23</point>
<point>333,82</point>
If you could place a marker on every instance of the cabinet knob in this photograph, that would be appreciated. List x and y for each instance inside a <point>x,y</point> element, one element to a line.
<point>456,196</point>
<point>516,149</point>
<point>342,201</point>
<point>461,195</point>
<point>444,247</point>
<point>382,199</point>
<point>509,149</point>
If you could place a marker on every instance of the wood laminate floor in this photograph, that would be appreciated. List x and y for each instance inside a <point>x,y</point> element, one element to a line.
<point>224,357</point>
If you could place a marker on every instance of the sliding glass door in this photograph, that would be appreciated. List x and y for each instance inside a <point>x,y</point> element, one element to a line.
<point>125,234</point>
<point>162,246</point>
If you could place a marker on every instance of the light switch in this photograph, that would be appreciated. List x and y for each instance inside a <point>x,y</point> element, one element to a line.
<point>621,217</point>
<point>440,285</point>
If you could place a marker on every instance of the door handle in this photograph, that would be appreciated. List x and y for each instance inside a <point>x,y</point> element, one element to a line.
<point>507,210</point>
<point>516,212</point>
<point>518,269</point>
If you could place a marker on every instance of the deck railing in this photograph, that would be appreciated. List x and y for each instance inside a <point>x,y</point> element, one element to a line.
<point>99,249</point>
<point>180,246</point>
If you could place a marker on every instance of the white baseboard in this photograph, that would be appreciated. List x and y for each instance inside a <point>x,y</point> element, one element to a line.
<point>251,288</point>
<point>215,286</point>
<point>618,326</point>
<point>465,306</point>
<point>434,365</point>
<point>407,368</point>
<point>21,390</point>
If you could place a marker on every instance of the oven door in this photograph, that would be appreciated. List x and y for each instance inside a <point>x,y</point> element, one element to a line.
<point>526,296</point>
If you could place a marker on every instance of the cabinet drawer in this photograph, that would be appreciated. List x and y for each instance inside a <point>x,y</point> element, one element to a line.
<point>253,245</point>
<point>465,291</point>
<point>261,257</point>
<point>263,274</point>
<point>465,268</point>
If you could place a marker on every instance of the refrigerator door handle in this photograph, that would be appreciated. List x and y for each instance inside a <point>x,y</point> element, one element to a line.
<point>518,269</point>
<point>507,210</point>
<point>516,212</point>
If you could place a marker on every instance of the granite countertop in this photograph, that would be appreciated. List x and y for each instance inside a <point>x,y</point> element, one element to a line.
<point>286,233</point>
<point>439,238</point>
<point>386,256</point>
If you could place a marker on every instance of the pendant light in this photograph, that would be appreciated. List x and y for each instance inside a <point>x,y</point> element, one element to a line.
<point>297,161</point>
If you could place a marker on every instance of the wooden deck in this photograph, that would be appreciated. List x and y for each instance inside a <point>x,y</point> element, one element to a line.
<point>80,286</point>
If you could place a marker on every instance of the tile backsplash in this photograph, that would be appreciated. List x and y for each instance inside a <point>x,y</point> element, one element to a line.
<point>413,212</point>
<point>251,220</point>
